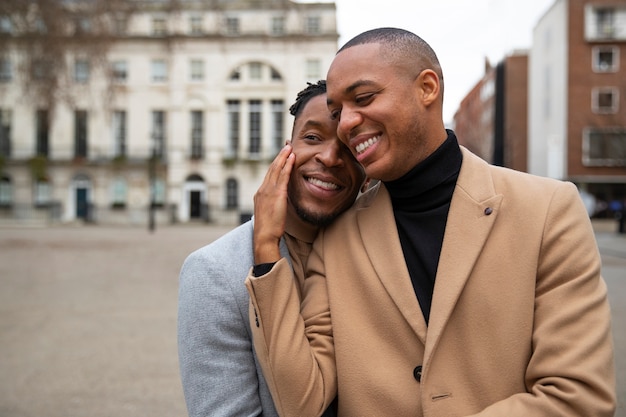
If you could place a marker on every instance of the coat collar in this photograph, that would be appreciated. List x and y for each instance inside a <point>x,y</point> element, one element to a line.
<point>467,229</point>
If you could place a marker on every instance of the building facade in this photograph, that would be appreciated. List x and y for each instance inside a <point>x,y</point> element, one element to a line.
<point>491,119</point>
<point>559,109</point>
<point>474,121</point>
<point>176,120</point>
<point>577,97</point>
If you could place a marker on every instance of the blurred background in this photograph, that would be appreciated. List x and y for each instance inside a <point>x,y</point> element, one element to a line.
<point>134,131</point>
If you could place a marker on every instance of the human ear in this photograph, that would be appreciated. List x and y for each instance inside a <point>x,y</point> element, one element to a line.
<point>428,82</point>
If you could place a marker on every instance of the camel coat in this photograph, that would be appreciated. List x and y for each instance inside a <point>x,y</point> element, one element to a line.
<point>519,326</point>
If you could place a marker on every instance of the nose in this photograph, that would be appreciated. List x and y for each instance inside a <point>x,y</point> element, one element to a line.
<point>331,153</point>
<point>348,120</point>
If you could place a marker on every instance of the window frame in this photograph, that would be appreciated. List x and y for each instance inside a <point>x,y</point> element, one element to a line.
<point>596,98</point>
<point>597,51</point>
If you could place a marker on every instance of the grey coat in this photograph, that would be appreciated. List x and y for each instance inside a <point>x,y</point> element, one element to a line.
<point>219,369</point>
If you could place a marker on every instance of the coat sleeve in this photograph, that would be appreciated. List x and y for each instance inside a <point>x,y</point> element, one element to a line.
<point>571,370</point>
<point>217,366</point>
<point>293,341</point>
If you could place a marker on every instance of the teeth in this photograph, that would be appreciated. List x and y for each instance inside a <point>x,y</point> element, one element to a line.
<point>323,184</point>
<point>361,147</point>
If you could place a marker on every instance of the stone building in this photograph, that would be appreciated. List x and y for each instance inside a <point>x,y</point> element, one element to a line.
<point>176,119</point>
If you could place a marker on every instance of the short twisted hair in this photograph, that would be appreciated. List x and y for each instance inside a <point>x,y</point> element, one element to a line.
<point>303,97</point>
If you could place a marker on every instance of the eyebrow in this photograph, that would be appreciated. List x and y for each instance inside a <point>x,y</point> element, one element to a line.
<point>312,123</point>
<point>352,87</point>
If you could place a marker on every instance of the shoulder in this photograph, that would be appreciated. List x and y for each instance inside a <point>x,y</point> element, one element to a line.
<point>225,259</point>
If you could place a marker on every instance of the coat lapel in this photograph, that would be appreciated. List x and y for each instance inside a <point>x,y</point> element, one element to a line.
<point>381,242</point>
<point>473,211</point>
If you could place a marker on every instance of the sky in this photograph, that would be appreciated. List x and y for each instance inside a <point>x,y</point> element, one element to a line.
<point>463,33</point>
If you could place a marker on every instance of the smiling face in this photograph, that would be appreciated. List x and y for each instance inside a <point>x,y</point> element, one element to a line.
<point>326,177</point>
<point>389,111</point>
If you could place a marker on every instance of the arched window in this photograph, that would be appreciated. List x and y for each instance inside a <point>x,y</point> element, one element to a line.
<point>232,191</point>
<point>254,72</point>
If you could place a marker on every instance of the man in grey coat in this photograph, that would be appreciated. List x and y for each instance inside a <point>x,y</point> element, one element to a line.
<point>219,369</point>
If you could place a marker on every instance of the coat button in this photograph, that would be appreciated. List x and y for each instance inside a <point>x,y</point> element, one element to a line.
<point>417,373</point>
<point>488,211</point>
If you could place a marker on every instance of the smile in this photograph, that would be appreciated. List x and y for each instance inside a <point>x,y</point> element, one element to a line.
<point>322,184</point>
<point>361,147</point>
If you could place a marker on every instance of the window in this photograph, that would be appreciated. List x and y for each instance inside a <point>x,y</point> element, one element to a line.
<point>256,70</point>
<point>119,133</point>
<point>196,67</point>
<point>605,100</point>
<point>278,117</point>
<point>120,23</point>
<point>278,25</point>
<point>313,69</point>
<point>81,71</point>
<point>5,133</point>
<point>275,74</point>
<point>40,26</point>
<point>159,71</point>
<point>6,25</point>
<point>605,21</point>
<point>6,191</point>
<point>159,26</point>
<point>80,134</point>
<point>82,24</point>
<point>6,71</point>
<point>43,193</point>
<point>195,25</point>
<point>119,71</point>
<point>158,192</point>
<point>312,25</point>
<point>604,147</point>
<point>255,128</point>
<point>233,128</point>
<point>158,133</point>
<point>42,133</point>
<point>232,26</point>
<point>197,133</point>
<point>231,193</point>
<point>118,193</point>
<point>235,75</point>
<point>605,58</point>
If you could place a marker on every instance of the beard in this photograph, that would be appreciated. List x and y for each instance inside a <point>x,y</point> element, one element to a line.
<point>316,219</point>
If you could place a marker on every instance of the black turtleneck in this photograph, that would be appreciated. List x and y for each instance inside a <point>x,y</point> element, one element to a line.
<point>421,200</point>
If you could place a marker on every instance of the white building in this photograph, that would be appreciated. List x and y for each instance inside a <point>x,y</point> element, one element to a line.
<point>203,86</point>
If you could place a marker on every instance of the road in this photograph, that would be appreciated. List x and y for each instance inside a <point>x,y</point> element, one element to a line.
<point>88,318</point>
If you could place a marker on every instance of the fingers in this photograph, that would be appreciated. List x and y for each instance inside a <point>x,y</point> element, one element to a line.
<point>281,163</point>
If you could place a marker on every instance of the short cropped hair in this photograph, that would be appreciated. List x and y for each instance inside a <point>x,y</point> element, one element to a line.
<point>402,46</point>
<point>312,90</point>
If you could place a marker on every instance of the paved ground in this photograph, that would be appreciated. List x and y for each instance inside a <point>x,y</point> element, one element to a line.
<point>88,318</point>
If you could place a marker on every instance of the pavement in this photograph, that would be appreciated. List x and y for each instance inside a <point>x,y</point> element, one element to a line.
<point>88,318</point>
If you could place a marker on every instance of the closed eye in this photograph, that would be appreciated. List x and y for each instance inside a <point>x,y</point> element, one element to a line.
<point>363,99</point>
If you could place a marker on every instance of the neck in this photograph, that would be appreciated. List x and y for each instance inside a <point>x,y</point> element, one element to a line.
<point>295,226</point>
